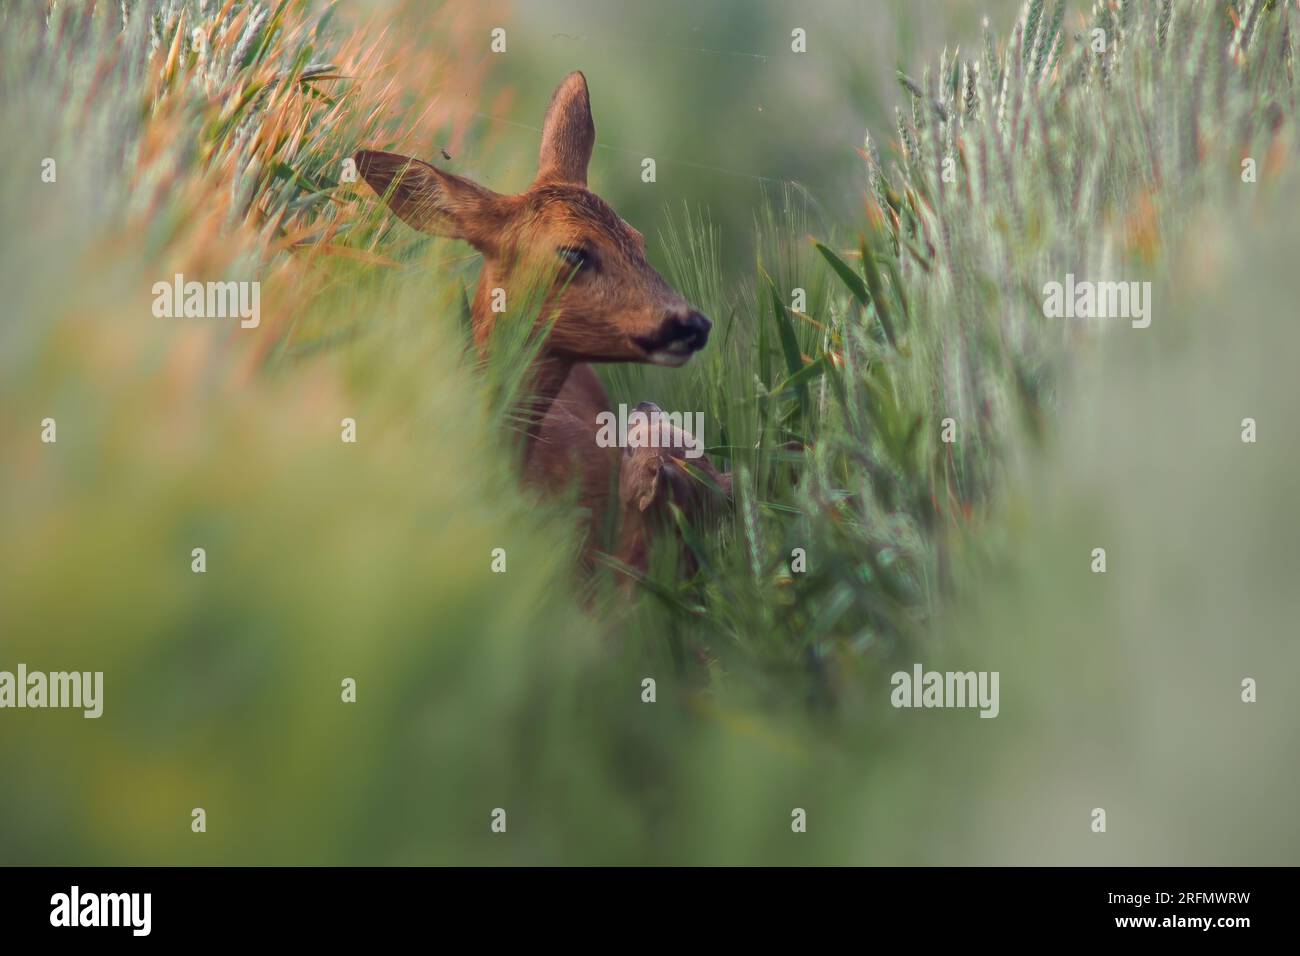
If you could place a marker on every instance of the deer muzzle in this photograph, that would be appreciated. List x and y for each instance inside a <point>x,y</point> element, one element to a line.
<point>677,339</point>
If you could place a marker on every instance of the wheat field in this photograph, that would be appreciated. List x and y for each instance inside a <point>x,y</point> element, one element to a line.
<point>944,456</point>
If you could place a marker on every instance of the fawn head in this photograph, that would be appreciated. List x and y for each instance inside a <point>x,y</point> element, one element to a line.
<point>654,475</point>
<point>606,303</point>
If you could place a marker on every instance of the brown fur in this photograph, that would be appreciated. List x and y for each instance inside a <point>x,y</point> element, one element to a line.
<point>651,478</point>
<point>614,309</point>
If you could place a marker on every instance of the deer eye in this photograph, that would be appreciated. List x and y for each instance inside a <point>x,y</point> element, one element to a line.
<point>578,258</point>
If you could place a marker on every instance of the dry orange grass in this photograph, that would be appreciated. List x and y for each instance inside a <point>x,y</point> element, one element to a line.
<point>248,117</point>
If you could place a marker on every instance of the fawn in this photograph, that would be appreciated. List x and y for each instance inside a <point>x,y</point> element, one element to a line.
<point>606,305</point>
<point>652,476</point>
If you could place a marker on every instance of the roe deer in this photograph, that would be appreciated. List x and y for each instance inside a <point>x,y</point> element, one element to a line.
<point>606,305</point>
<point>652,476</point>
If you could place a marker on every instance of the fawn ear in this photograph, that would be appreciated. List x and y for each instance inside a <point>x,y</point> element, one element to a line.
<point>429,199</point>
<point>568,133</point>
<point>648,489</point>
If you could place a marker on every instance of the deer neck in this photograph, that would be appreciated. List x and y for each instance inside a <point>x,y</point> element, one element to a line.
<point>546,375</point>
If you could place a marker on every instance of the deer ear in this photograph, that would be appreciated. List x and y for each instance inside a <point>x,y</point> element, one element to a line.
<point>568,133</point>
<point>429,199</point>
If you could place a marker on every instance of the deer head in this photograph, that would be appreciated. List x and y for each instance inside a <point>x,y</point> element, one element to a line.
<point>606,303</point>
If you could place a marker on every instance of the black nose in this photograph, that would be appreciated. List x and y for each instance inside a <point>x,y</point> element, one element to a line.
<point>701,325</point>
<point>691,331</point>
<point>681,333</point>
